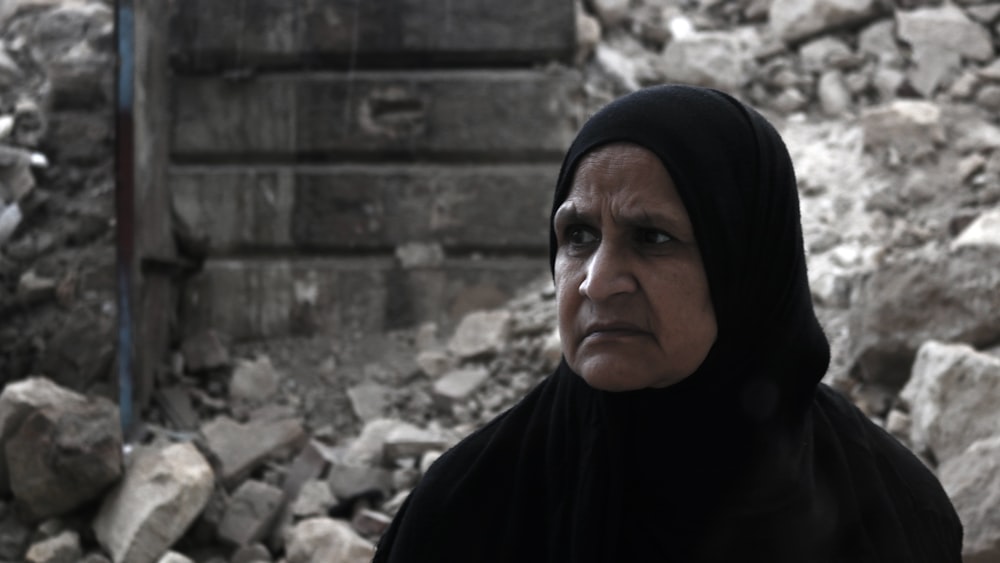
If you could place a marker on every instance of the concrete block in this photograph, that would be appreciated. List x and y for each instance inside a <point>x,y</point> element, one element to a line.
<point>240,448</point>
<point>250,513</point>
<point>209,36</point>
<point>327,539</point>
<point>529,115</point>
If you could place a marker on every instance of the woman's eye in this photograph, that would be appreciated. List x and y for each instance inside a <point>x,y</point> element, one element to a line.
<point>652,236</point>
<point>580,235</point>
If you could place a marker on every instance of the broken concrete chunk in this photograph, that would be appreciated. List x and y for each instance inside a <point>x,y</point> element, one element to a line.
<point>953,392</point>
<point>254,381</point>
<point>408,441</point>
<point>64,455</point>
<point>204,351</point>
<point>912,127</point>
<point>164,490</point>
<point>370,523</point>
<point>972,481</point>
<point>240,448</point>
<point>314,499</point>
<point>63,548</point>
<point>255,553</point>
<point>320,540</point>
<point>174,557</point>
<point>481,333</point>
<point>460,384</point>
<point>249,513</point>
<point>353,481</point>
<point>945,28</point>
<point>369,400</point>
<point>983,231</point>
<point>794,20</point>
<point>715,59</point>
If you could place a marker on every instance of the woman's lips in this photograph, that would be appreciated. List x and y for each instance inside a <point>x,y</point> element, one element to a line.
<point>612,330</point>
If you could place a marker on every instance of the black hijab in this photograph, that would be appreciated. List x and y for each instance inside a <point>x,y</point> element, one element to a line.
<point>748,459</point>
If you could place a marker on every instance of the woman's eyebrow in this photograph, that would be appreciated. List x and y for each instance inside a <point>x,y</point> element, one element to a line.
<point>569,213</point>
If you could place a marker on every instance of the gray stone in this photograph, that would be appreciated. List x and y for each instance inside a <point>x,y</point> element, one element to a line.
<point>611,12</point>
<point>204,351</point>
<point>351,481</point>
<point>972,481</point>
<point>325,540</point>
<point>953,394</point>
<point>819,54</point>
<point>715,59</point>
<point>174,557</point>
<point>64,455</point>
<point>78,137</point>
<point>898,423</point>
<point>793,20</point>
<point>934,67</point>
<point>988,97</point>
<point>945,28</point>
<point>250,512</point>
<point>588,34</point>
<point>10,218</point>
<point>408,441</point>
<point>902,305</point>
<point>879,40</point>
<point>481,333</point>
<point>912,128</point>
<point>63,548</point>
<point>458,385</point>
<point>314,499</point>
<point>370,523</point>
<point>369,400</point>
<point>254,381</point>
<point>434,363</point>
<point>255,553</point>
<point>834,96</point>
<point>16,178</point>
<point>164,490</point>
<point>240,448</point>
<point>983,231</point>
<point>94,557</point>
<point>94,423</point>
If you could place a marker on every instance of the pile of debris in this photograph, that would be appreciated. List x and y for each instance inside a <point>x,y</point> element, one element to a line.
<point>890,116</point>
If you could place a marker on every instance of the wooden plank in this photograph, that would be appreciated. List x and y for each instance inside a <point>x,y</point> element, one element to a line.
<point>208,35</point>
<point>346,207</point>
<point>483,116</point>
<point>344,298</point>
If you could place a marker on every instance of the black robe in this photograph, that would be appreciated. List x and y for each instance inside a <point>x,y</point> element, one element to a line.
<point>748,459</point>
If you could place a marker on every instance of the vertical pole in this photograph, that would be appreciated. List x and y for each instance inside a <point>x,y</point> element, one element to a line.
<point>124,209</point>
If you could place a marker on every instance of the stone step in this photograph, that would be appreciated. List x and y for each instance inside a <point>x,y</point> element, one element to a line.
<point>345,297</point>
<point>209,36</point>
<point>454,116</point>
<point>366,207</point>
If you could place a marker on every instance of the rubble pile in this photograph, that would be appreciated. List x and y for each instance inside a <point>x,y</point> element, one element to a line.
<point>57,191</point>
<point>247,456</point>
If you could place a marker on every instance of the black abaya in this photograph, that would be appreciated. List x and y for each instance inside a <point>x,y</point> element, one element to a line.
<point>748,459</point>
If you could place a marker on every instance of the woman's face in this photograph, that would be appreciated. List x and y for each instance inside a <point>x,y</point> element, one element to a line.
<point>633,298</point>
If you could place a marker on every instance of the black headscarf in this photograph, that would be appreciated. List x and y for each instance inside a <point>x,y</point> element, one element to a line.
<point>748,459</point>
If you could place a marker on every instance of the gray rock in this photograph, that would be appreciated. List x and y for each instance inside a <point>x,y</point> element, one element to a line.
<point>933,67</point>
<point>879,40</point>
<point>164,490</point>
<point>325,540</point>
<point>255,553</point>
<point>351,481</point>
<point>480,333</point>
<point>458,385</point>
<point>240,448</point>
<point>314,499</point>
<point>972,481</point>
<point>793,20</point>
<point>250,512</point>
<point>408,441</point>
<point>16,178</point>
<point>983,231</point>
<point>988,97</point>
<point>370,523</point>
<point>64,455</point>
<point>434,363</point>
<point>174,557</point>
<point>953,394</point>
<point>63,548</point>
<point>834,96</point>
<point>715,59</point>
<point>945,28</point>
<point>900,306</point>
<point>14,537</point>
<point>77,136</point>
<point>80,353</point>
<point>820,54</point>
<point>369,401</point>
<point>611,12</point>
<point>94,557</point>
<point>204,351</point>
<point>254,381</point>
<point>912,128</point>
<point>588,33</point>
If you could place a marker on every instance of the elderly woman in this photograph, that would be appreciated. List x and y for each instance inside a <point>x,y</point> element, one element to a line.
<point>687,421</point>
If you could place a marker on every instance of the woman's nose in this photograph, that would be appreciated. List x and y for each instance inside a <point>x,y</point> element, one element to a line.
<point>608,274</point>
